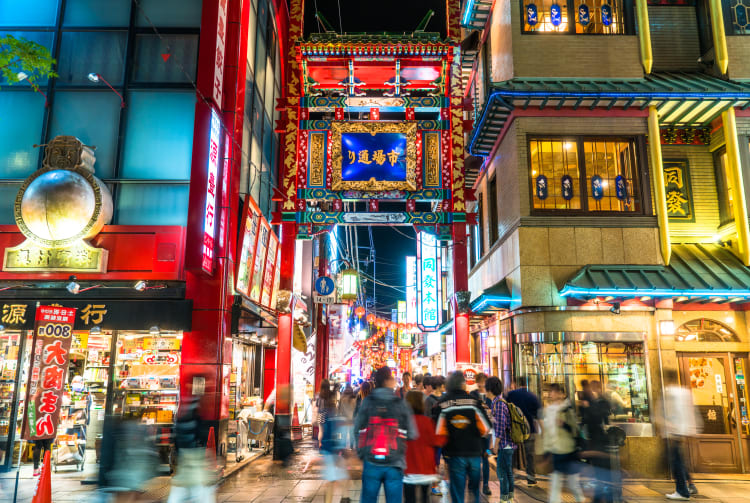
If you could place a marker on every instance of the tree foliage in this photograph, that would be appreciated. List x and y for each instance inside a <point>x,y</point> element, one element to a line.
<point>22,59</point>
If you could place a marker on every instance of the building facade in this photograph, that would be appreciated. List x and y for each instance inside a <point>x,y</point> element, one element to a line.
<point>611,170</point>
<point>163,112</point>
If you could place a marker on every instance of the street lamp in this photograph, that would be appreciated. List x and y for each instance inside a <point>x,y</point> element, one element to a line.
<point>349,290</point>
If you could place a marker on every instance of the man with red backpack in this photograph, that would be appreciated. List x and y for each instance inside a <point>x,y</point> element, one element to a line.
<point>384,423</point>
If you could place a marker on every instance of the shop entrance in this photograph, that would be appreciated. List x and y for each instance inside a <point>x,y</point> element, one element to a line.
<point>717,383</point>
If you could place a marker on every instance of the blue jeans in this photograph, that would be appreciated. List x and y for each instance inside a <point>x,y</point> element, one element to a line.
<point>460,469</point>
<point>391,477</point>
<point>505,472</point>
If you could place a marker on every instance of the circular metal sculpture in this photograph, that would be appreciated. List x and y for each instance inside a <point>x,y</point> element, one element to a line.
<point>63,202</point>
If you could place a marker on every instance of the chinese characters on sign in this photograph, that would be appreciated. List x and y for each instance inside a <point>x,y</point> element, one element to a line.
<point>379,156</point>
<point>80,257</point>
<point>207,263</point>
<point>432,159</point>
<point>411,289</point>
<point>677,188</point>
<point>221,42</point>
<point>49,364</point>
<point>270,269</point>
<point>317,159</point>
<point>429,310</point>
<point>249,242</point>
<point>14,314</point>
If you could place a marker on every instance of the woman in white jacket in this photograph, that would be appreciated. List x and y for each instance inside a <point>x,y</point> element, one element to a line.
<point>560,430</point>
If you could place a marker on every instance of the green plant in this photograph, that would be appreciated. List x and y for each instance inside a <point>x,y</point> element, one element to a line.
<point>22,59</point>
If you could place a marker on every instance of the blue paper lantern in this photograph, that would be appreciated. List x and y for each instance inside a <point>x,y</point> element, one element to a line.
<point>542,188</point>
<point>555,15</point>
<point>606,11</point>
<point>621,188</point>
<point>566,187</point>
<point>584,15</point>
<point>532,16</point>
<point>597,187</point>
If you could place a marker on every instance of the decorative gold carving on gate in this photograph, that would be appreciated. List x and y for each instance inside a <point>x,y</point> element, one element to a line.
<point>432,159</point>
<point>407,128</point>
<point>317,167</point>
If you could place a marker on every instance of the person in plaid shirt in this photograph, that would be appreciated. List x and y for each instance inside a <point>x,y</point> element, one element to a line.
<point>503,446</point>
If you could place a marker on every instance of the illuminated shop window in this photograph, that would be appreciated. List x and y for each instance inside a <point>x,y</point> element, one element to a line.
<point>724,187</point>
<point>584,174</point>
<point>705,330</point>
<point>739,13</point>
<point>601,17</point>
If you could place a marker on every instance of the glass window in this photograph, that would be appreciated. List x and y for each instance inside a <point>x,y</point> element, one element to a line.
<point>251,29</point>
<point>159,135</point>
<point>254,169</point>
<point>724,187</point>
<point>21,116</point>
<point>260,62</point>
<point>8,192</point>
<point>71,115</point>
<point>739,13</point>
<point>590,16</point>
<point>584,174</point>
<point>492,198</point>
<point>84,52</point>
<point>152,204</point>
<point>705,330</point>
<point>149,64</point>
<point>479,244</point>
<point>19,13</point>
<point>169,13</point>
<point>268,96</point>
<point>91,13</point>
<point>619,367</point>
<point>554,164</point>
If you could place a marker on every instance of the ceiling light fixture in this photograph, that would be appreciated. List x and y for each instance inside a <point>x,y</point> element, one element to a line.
<point>154,330</point>
<point>73,287</point>
<point>139,285</point>
<point>96,78</point>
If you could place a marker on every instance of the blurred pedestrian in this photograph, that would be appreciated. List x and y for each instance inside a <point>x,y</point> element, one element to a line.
<point>384,423</point>
<point>503,445</point>
<point>421,470</point>
<point>347,404</point>
<point>418,382</point>
<point>333,434</point>
<point>406,381</point>
<point>364,390</point>
<point>529,404</point>
<point>37,453</point>
<point>595,416</point>
<point>480,394</point>
<point>681,421</point>
<point>464,421</point>
<point>427,390</point>
<point>436,387</point>
<point>559,434</point>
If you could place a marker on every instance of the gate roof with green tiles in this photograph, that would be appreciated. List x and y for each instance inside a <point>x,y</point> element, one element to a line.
<point>682,99</point>
<point>699,272</point>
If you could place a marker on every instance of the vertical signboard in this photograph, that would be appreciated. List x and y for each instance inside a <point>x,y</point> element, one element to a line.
<point>411,289</point>
<point>250,226</point>
<point>209,215</point>
<point>256,285</point>
<point>429,310</point>
<point>221,42</point>
<point>268,275</point>
<point>404,336</point>
<point>53,333</point>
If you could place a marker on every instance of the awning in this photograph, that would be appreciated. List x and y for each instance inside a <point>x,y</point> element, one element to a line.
<point>698,272</point>
<point>493,299</point>
<point>682,99</point>
<point>475,13</point>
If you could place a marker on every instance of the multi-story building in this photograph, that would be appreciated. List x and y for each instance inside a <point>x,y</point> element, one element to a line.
<point>611,162</point>
<point>172,103</point>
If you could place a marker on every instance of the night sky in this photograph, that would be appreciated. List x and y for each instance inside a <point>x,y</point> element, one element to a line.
<point>395,16</point>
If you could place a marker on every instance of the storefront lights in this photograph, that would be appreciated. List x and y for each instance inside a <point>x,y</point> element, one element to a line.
<point>154,331</point>
<point>349,284</point>
<point>666,327</point>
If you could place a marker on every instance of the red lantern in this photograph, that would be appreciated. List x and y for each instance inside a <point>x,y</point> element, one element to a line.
<point>392,325</point>
<point>371,318</point>
<point>401,326</point>
<point>360,311</point>
<point>382,346</point>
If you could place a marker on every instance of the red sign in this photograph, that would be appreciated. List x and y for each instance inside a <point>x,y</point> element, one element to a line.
<point>50,350</point>
<point>221,42</point>
<point>470,371</point>
<point>268,275</point>
<point>250,225</point>
<point>209,216</point>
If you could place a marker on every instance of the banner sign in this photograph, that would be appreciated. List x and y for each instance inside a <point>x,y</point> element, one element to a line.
<point>212,178</point>
<point>404,336</point>
<point>429,310</point>
<point>270,265</point>
<point>411,289</point>
<point>250,226</point>
<point>378,156</point>
<point>50,350</point>
<point>256,286</point>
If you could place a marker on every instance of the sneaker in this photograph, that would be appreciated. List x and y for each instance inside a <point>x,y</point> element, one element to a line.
<point>677,496</point>
<point>692,489</point>
<point>436,491</point>
<point>37,472</point>
<point>531,482</point>
<point>486,491</point>
<point>345,500</point>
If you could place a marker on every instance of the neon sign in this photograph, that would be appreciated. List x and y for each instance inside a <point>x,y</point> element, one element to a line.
<point>429,310</point>
<point>411,289</point>
<point>209,216</point>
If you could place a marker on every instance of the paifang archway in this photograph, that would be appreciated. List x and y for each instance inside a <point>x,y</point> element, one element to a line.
<point>372,118</point>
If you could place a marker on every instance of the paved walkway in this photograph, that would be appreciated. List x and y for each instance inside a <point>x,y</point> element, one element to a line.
<point>266,481</point>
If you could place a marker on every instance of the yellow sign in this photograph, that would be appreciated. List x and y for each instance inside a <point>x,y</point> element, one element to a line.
<point>80,257</point>
<point>14,314</point>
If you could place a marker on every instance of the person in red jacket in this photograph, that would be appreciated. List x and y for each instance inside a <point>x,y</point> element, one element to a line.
<point>421,471</point>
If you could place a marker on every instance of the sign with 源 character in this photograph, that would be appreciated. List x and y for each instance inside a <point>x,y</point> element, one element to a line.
<point>677,189</point>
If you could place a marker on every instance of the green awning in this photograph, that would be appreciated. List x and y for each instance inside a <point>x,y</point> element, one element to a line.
<point>682,99</point>
<point>699,272</point>
<point>493,299</point>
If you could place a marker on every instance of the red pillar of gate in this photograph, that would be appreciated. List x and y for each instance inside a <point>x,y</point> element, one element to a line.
<point>460,284</point>
<point>286,322</point>
<point>321,338</point>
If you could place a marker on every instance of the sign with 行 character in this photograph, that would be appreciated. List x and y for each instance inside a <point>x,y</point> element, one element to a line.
<point>50,350</point>
<point>429,309</point>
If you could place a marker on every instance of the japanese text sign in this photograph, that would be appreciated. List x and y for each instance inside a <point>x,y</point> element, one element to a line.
<point>429,309</point>
<point>249,240</point>
<point>270,269</point>
<point>411,289</point>
<point>221,42</point>
<point>378,156</point>
<point>209,220</point>
<point>49,364</point>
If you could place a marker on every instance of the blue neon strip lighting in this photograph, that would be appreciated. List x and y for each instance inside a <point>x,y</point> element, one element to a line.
<point>467,12</point>
<point>499,94</point>
<point>483,300</point>
<point>569,290</point>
